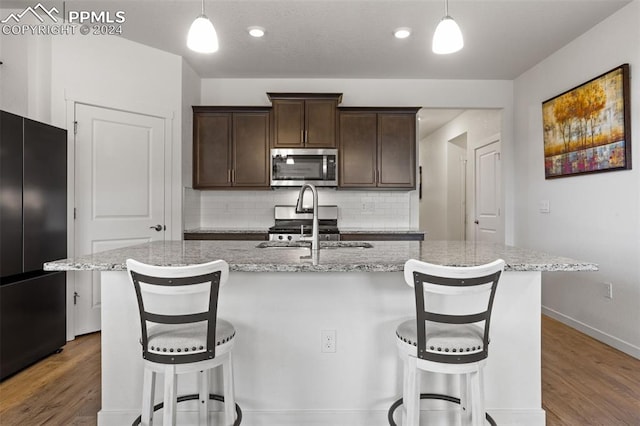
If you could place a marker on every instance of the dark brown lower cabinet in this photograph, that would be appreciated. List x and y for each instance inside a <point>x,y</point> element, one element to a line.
<point>227,236</point>
<point>231,147</point>
<point>377,147</point>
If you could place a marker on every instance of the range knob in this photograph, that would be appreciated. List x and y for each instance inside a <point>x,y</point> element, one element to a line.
<point>289,237</point>
<point>279,237</point>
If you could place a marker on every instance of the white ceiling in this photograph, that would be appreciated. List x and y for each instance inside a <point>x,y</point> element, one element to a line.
<point>353,38</point>
<point>431,119</point>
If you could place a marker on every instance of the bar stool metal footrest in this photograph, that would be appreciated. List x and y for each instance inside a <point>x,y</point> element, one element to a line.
<point>192,397</point>
<point>453,399</point>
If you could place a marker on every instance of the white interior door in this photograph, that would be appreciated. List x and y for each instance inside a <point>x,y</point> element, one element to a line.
<point>119,192</point>
<point>488,202</point>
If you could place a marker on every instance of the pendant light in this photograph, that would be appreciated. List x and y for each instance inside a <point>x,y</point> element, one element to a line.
<point>202,36</point>
<point>448,37</point>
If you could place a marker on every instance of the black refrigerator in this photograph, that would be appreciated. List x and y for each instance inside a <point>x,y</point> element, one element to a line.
<point>33,230</point>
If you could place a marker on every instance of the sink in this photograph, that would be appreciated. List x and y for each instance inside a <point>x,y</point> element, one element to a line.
<point>307,244</point>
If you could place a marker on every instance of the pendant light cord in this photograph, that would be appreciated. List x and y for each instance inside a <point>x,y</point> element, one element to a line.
<point>203,8</point>
<point>446,7</point>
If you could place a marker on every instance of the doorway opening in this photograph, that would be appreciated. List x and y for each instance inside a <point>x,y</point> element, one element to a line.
<point>456,185</point>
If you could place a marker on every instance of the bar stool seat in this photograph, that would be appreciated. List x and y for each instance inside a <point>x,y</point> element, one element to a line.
<point>441,338</point>
<point>181,333</point>
<point>449,335</point>
<point>187,338</point>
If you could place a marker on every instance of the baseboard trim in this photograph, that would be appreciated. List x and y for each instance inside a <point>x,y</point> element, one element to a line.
<point>330,418</point>
<point>603,337</point>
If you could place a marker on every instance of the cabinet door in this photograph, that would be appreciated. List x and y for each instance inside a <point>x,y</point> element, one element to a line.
<point>211,150</point>
<point>288,123</point>
<point>396,150</point>
<point>251,150</point>
<point>357,154</point>
<point>320,123</point>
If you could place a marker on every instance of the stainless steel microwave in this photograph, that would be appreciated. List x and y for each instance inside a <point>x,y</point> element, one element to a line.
<point>297,166</point>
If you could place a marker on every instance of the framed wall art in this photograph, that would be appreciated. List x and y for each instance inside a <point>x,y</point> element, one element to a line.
<point>588,129</point>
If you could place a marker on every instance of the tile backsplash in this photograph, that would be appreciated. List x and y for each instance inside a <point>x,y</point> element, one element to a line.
<point>191,208</point>
<point>254,209</point>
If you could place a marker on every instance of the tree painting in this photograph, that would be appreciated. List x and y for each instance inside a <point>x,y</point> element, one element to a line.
<point>587,128</point>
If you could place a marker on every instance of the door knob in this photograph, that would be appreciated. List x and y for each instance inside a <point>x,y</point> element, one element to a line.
<point>157,227</point>
<point>477,222</point>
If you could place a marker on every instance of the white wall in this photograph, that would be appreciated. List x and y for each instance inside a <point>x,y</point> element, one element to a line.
<point>593,217</point>
<point>457,173</point>
<point>190,97</point>
<point>477,125</point>
<point>376,92</point>
<point>25,74</point>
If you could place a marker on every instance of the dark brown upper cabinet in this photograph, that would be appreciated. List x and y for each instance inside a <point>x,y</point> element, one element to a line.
<point>377,147</point>
<point>231,147</point>
<point>304,120</point>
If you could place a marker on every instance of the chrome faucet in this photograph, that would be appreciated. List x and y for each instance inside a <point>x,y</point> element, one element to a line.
<point>299,209</point>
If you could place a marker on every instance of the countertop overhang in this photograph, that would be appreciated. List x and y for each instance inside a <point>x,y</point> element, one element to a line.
<point>384,256</point>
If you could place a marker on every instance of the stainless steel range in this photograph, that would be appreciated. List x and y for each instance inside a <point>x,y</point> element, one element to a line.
<point>289,225</point>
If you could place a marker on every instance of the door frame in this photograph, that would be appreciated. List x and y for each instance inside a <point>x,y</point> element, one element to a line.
<point>173,200</point>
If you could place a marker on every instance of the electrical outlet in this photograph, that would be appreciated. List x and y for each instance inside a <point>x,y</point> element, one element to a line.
<point>608,290</point>
<point>368,207</point>
<point>328,340</point>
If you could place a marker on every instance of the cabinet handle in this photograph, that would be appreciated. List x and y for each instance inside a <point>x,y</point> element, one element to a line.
<point>306,136</point>
<point>233,175</point>
<point>228,175</point>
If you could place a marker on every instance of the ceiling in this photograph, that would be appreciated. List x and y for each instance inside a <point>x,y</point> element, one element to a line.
<point>353,38</point>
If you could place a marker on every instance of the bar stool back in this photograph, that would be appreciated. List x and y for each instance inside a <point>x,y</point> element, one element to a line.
<point>180,333</point>
<point>449,335</point>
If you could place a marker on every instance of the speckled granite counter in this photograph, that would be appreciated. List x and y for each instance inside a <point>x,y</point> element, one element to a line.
<point>399,231</point>
<point>384,256</point>
<point>354,234</point>
<point>224,231</point>
<point>345,233</point>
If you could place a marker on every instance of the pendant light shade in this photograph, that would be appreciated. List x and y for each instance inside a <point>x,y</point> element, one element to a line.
<point>448,37</point>
<point>202,36</point>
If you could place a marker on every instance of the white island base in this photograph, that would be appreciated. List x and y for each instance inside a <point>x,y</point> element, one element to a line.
<point>283,378</point>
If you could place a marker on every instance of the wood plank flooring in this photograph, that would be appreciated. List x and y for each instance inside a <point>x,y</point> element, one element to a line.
<point>584,383</point>
<point>62,389</point>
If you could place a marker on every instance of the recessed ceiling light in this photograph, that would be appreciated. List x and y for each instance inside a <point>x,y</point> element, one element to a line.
<point>402,32</point>
<point>256,32</point>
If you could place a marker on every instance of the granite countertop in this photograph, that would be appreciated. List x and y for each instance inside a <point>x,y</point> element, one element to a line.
<point>380,231</point>
<point>384,256</point>
<point>206,230</point>
<point>224,231</point>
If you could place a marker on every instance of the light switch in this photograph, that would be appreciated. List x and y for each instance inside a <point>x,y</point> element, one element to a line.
<point>543,206</point>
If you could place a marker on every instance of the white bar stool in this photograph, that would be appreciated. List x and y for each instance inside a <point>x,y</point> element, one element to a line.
<point>180,333</point>
<point>449,335</point>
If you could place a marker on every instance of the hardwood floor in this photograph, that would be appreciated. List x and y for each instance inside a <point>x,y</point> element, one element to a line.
<point>63,389</point>
<point>584,383</point>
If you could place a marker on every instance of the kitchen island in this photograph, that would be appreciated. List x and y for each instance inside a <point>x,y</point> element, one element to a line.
<point>282,376</point>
